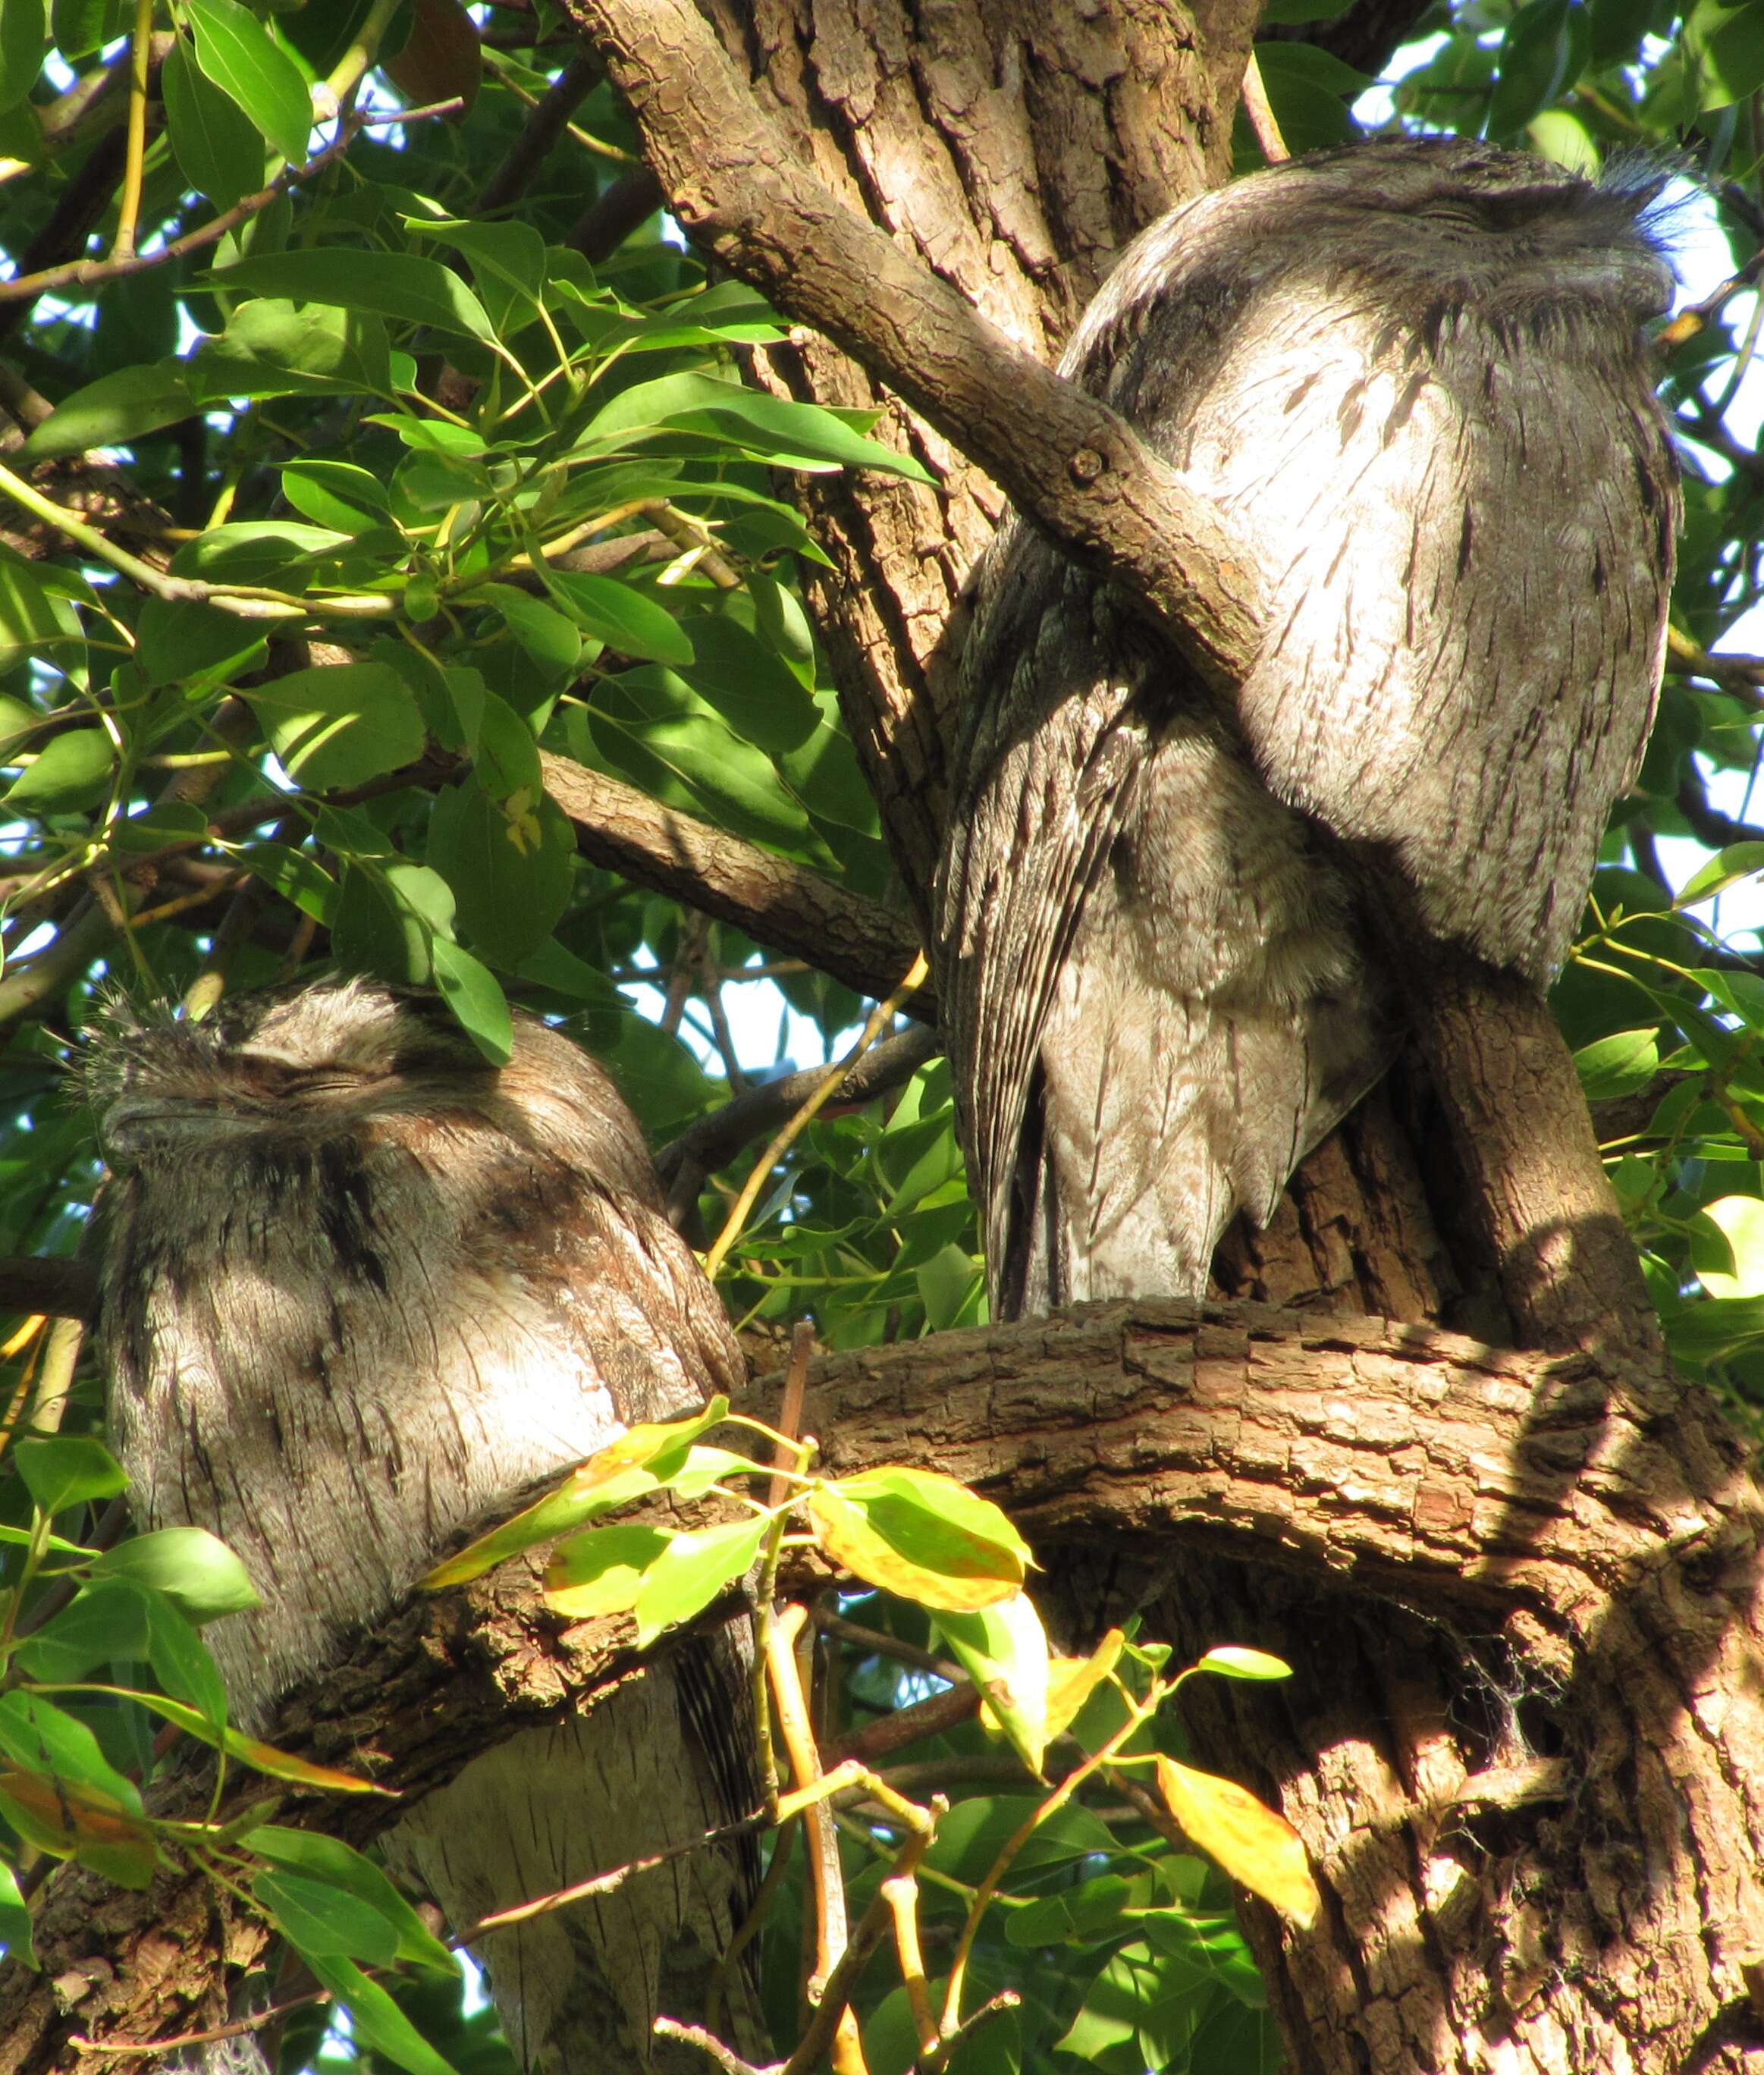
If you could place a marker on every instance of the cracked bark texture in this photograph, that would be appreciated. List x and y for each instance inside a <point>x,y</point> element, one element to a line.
<point>1538,1825</point>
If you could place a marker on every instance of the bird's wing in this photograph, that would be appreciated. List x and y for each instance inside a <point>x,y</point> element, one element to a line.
<point>1053,773</point>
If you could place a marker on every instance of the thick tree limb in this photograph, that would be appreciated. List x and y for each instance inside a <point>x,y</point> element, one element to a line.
<point>741,192</point>
<point>786,905</point>
<point>1489,1492</point>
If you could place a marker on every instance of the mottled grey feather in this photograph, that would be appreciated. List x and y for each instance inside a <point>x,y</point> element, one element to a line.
<point>360,1291</point>
<point>1412,376</point>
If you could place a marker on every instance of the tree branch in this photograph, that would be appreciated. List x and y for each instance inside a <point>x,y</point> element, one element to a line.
<point>786,905</point>
<point>739,188</point>
<point>1481,1487</point>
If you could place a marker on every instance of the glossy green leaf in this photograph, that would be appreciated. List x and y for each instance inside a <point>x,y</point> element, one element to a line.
<point>921,1535</point>
<point>337,725</point>
<point>24,43</point>
<point>510,863</point>
<point>691,1572</point>
<point>402,286</point>
<point>618,614</point>
<point>193,1568</point>
<point>1233,1661</point>
<point>218,148</point>
<point>71,771</point>
<point>105,1623</point>
<point>67,1469</point>
<point>603,1571</point>
<point>274,347</point>
<point>179,639</point>
<point>748,682</point>
<point>112,410</point>
<point>16,1926</point>
<point>374,2019</point>
<point>317,1918</point>
<point>1003,1649</point>
<point>31,620</point>
<point>790,434</point>
<point>239,54</point>
<point>474,994</point>
<point>343,1870</point>
<point>1622,1064</point>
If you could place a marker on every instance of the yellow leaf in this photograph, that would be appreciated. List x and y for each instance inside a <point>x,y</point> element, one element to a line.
<point>1251,1842</point>
<point>921,1535</point>
<point>1071,1680</point>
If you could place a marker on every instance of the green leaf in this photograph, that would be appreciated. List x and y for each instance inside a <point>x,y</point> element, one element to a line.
<point>621,615</point>
<point>81,26</point>
<point>24,43</point>
<point>1233,1661</point>
<point>507,260</point>
<point>317,1918</point>
<point>15,1922</point>
<point>67,1469</point>
<point>1537,62</point>
<point>1729,1261</point>
<point>73,771</point>
<point>474,994</point>
<point>194,1569</point>
<point>601,1572</point>
<point>630,1465</point>
<point>691,1572</point>
<point>551,639</point>
<point>105,1623</point>
<point>1725,45</point>
<point>787,434</point>
<point>179,639</point>
<point>1622,1064</point>
<point>1077,1915</point>
<point>649,719</point>
<point>296,875</point>
<point>374,2019</point>
<point>920,1534</point>
<point>748,683</point>
<point>336,494</point>
<point>181,1660</point>
<point>36,1733</point>
<point>1309,92</point>
<point>112,410</point>
<point>342,1869</point>
<point>339,724</point>
<point>1727,868</point>
<point>510,863</point>
<point>271,347</point>
<point>218,148</point>
<point>239,54</point>
<point>402,286</point>
<point>31,619</point>
<point>1004,1650</point>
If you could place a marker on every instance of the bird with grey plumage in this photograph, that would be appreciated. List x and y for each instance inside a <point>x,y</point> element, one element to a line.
<point>360,1290</point>
<point>1412,376</point>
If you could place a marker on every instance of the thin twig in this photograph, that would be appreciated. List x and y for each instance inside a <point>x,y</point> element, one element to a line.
<point>1262,115</point>
<point>881,1017</point>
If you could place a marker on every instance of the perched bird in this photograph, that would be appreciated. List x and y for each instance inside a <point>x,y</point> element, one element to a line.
<point>359,1289</point>
<point>1412,376</point>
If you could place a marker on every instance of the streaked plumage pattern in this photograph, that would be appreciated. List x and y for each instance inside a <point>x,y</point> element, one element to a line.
<point>360,1291</point>
<point>1412,373</point>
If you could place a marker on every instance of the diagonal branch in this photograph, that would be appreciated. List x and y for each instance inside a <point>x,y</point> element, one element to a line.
<point>786,905</point>
<point>739,188</point>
